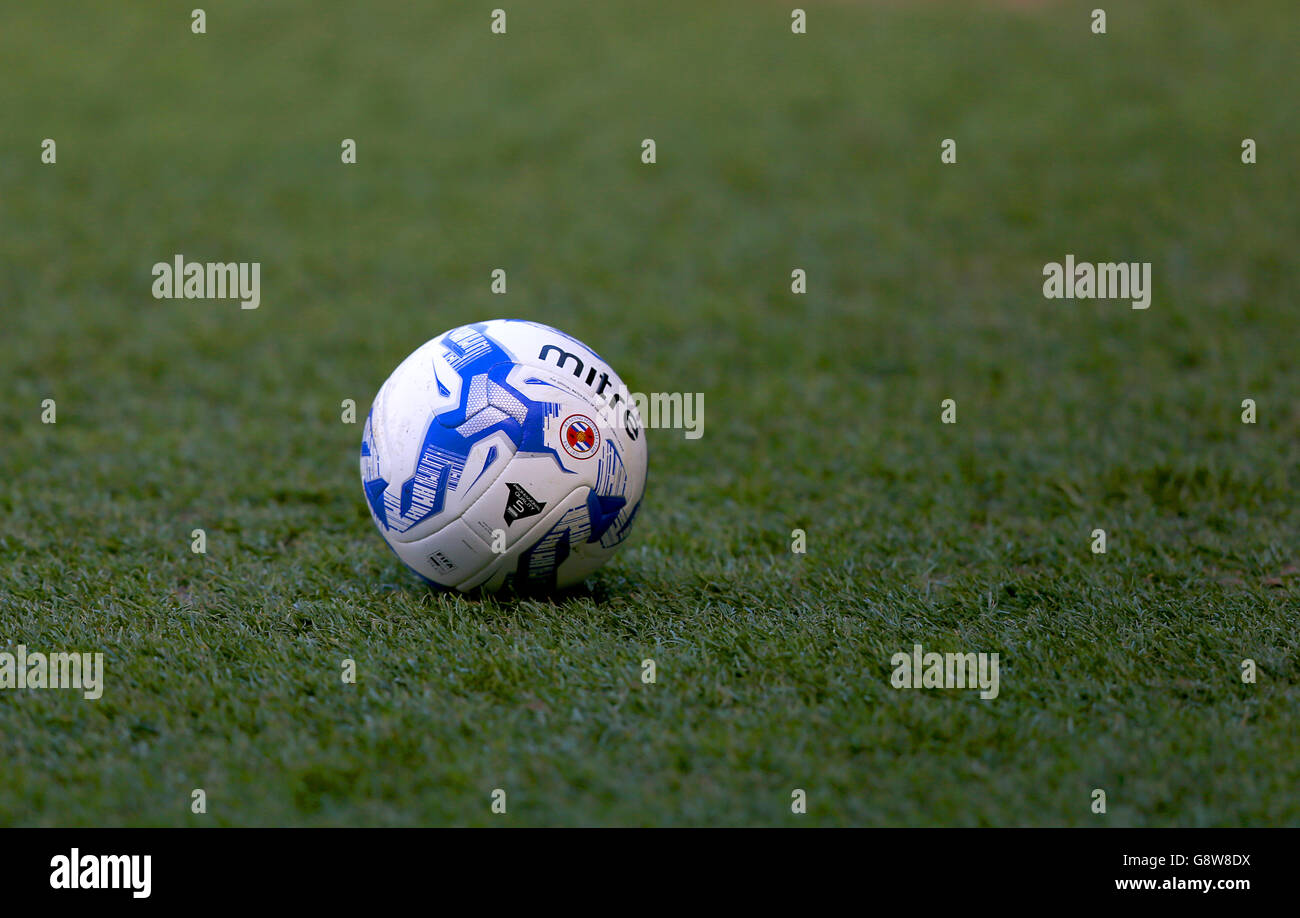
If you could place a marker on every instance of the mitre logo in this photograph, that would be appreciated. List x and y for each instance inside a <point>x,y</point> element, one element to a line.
<point>521,504</point>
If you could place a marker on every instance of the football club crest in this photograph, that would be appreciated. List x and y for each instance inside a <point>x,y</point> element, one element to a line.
<point>579,436</point>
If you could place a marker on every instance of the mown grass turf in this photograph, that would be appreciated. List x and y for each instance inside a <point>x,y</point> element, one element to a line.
<point>1118,671</point>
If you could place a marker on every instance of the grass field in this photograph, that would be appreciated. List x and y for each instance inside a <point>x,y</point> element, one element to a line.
<point>1119,671</point>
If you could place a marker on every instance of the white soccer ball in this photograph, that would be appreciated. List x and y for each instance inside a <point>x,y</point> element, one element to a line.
<point>503,450</point>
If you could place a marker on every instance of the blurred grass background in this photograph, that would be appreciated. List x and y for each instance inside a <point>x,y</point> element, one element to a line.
<point>775,151</point>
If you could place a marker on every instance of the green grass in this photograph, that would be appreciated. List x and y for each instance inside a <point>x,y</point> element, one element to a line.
<point>1119,671</point>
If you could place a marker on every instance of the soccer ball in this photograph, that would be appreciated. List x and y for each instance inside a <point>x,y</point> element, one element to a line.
<point>503,451</point>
